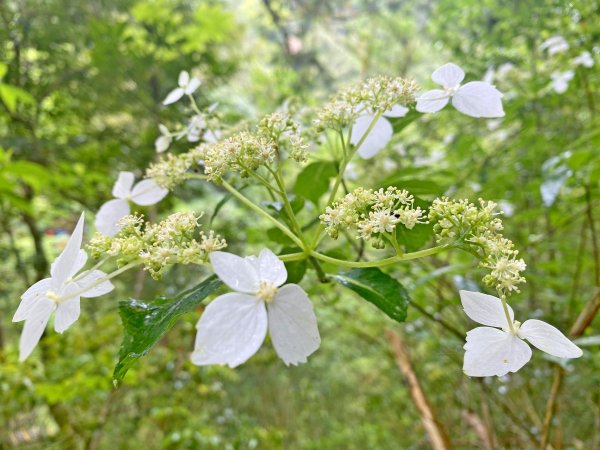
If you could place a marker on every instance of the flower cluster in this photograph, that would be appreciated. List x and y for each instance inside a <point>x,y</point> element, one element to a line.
<point>175,240</point>
<point>372,213</point>
<point>243,152</point>
<point>462,222</point>
<point>374,95</point>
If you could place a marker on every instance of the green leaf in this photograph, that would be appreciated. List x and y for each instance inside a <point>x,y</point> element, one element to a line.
<point>378,288</point>
<point>313,181</point>
<point>400,123</point>
<point>12,94</point>
<point>295,269</point>
<point>146,322</point>
<point>413,240</point>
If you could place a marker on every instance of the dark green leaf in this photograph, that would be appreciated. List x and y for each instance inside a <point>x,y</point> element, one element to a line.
<point>400,123</point>
<point>413,240</point>
<point>378,288</point>
<point>313,181</point>
<point>146,322</point>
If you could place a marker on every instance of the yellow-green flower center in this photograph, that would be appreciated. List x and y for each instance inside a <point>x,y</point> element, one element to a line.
<point>266,291</point>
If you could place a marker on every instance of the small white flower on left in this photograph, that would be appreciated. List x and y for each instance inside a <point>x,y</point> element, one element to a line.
<point>60,293</point>
<point>187,86</point>
<point>492,351</point>
<point>144,193</point>
<point>163,142</point>
<point>234,325</point>
<point>475,99</point>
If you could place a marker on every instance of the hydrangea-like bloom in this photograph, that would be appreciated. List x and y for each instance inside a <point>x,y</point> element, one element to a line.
<point>187,86</point>
<point>234,325</point>
<point>60,292</point>
<point>475,99</point>
<point>144,193</point>
<point>490,351</point>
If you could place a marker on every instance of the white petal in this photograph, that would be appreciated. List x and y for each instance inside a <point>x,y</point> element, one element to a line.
<point>163,130</point>
<point>490,352</point>
<point>123,185</point>
<point>231,330</point>
<point>432,101</point>
<point>109,214</point>
<point>173,96</point>
<point>397,111</point>
<point>192,86</point>
<point>184,78</point>
<point>478,99</point>
<point>236,272</point>
<point>293,325</point>
<point>380,135</point>
<point>271,268</point>
<point>549,339</point>
<point>147,192</point>
<point>162,143</point>
<point>34,326</point>
<point>67,312</point>
<point>63,267</point>
<point>212,136</point>
<point>30,297</point>
<point>485,309</point>
<point>449,75</point>
<point>91,277</point>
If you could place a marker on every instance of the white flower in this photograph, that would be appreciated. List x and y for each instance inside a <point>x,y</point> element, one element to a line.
<point>380,134</point>
<point>560,80</point>
<point>490,351</point>
<point>234,325</point>
<point>61,293</point>
<point>164,140</point>
<point>195,127</point>
<point>187,86</point>
<point>555,44</point>
<point>212,136</point>
<point>475,99</point>
<point>584,59</point>
<point>144,193</point>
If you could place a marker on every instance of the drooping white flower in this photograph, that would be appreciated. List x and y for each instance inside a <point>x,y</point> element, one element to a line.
<point>475,99</point>
<point>492,351</point>
<point>164,140</point>
<point>560,81</point>
<point>59,293</point>
<point>144,193</point>
<point>555,44</point>
<point>234,325</point>
<point>195,127</point>
<point>584,59</point>
<point>187,86</point>
<point>380,134</point>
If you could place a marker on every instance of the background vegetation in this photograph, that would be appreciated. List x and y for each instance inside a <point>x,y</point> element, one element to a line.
<point>81,85</point>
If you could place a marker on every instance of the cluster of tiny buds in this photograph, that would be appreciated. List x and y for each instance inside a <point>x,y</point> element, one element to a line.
<point>461,222</point>
<point>372,214</point>
<point>378,94</point>
<point>276,134</point>
<point>175,240</point>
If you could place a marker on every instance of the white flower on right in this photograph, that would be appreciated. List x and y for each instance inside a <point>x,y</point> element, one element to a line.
<point>187,86</point>
<point>584,59</point>
<point>560,81</point>
<point>555,44</point>
<point>380,134</point>
<point>475,99</point>
<point>144,193</point>
<point>234,325</point>
<point>60,293</point>
<point>492,351</point>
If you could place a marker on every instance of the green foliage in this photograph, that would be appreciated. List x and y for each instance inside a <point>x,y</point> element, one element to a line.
<point>146,322</point>
<point>314,179</point>
<point>378,288</point>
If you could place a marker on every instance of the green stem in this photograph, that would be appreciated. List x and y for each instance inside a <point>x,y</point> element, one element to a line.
<point>263,213</point>
<point>511,327</point>
<point>381,262</point>
<point>85,272</point>
<point>101,280</point>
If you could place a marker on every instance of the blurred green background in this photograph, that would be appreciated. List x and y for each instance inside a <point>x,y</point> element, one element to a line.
<point>81,85</point>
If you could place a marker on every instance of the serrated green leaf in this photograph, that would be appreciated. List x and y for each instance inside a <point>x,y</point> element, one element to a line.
<point>378,288</point>
<point>313,181</point>
<point>146,322</point>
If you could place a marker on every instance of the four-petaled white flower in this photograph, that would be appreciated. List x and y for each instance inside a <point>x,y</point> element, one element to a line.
<point>380,134</point>
<point>584,59</point>
<point>187,86</point>
<point>234,325</point>
<point>475,99</point>
<point>555,44</point>
<point>163,142</point>
<point>60,293</point>
<point>560,80</point>
<point>490,351</point>
<point>144,193</point>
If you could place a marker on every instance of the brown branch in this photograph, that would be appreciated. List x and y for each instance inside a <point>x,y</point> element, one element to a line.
<point>437,435</point>
<point>480,429</point>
